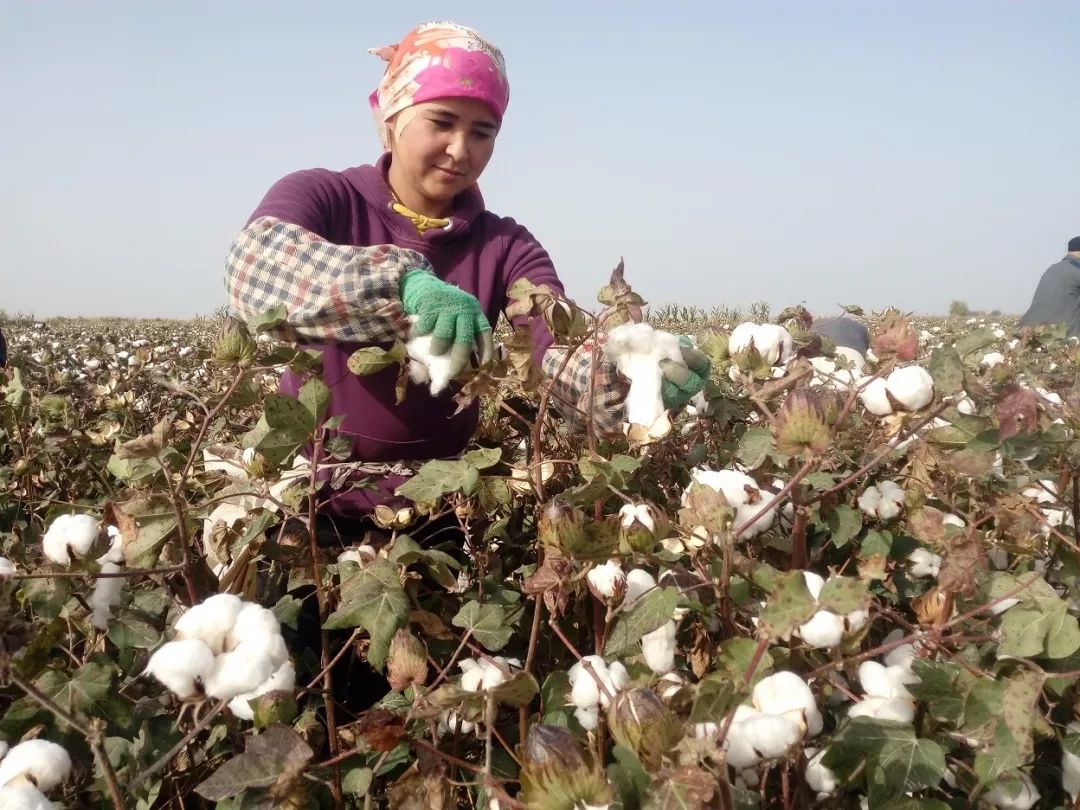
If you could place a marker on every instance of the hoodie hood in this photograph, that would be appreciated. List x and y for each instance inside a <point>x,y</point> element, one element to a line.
<point>370,182</point>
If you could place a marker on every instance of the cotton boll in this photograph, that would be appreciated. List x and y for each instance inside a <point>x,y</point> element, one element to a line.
<point>886,682</point>
<point>449,722</point>
<point>182,667</point>
<point>658,648</point>
<point>854,357</point>
<point>585,692</point>
<point>638,582</point>
<point>44,763</point>
<point>607,578</point>
<point>1017,793</point>
<point>426,367</point>
<point>283,680</point>
<point>105,596</point>
<point>637,351</point>
<point>883,500</point>
<point>472,675</point>
<point>966,406</point>
<point>769,736</point>
<point>825,630</point>
<point>589,718</point>
<point>23,797</point>
<point>69,536</point>
<point>953,520</point>
<point>242,670</point>
<point>771,341</point>
<point>210,621</point>
<point>901,710</point>
<point>743,494</point>
<point>785,692</point>
<point>820,779</point>
<point>252,622</point>
<point>361,555</point>
<point>814,583</point>
<point>911,386</point>
<point>7,568</point>
<point>874,397</point>
<point>924,563</point>
<point>991,359</point>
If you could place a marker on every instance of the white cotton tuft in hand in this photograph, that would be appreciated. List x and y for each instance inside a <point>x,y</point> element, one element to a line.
<point>210,621</point>
<point>883,500</point>
<point>242,670</point>
<point>23,796</point>
<point>105,596</point>
<point>426,367</point>
<point>183,667</point>
<point>911,386</point>
<point>283,680</point>
<point>607,578</point>
<point>69,536</point>
<point>44,763</point>
<point>924,563</point>
<point>637,350</point>
<point>658,648</point>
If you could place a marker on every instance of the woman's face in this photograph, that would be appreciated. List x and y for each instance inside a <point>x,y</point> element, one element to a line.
<point>440,148</point>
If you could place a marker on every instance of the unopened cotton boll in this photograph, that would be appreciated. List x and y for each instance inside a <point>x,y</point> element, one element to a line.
<point>924,563</point>
<point>241,670</point>
<point>874,397</point>
<point>658,648</point>
<point>911,386</point>
<point>1018,793</point>
<point>210,621</point>
<point>23,796</point>
<point>607,578</point>
<point>637,351</point>
<point>44,763</point>
<point>182,667</point>
<point>883,500</point>
<point>785,692</point>
<point>69,536</point>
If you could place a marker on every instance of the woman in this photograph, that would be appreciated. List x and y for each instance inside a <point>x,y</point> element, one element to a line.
<point>353,255</point>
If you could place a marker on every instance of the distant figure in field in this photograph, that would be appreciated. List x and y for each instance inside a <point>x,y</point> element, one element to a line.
<point>3,350</point>
<point>1057,298</point>
<point>844,332</point>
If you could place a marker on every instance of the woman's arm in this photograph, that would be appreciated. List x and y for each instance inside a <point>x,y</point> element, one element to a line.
<point>330,292</point>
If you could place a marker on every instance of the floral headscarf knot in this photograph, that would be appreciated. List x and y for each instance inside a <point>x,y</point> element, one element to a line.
<point>438,60</point>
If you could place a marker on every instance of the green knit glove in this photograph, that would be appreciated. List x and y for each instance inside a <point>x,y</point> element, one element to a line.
<point>450,315</point>
<point>682,381</point>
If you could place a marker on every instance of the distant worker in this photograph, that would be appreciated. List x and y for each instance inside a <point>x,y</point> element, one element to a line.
<point>844,332</point>
<point>1057,298</point>
<point>3,350</point>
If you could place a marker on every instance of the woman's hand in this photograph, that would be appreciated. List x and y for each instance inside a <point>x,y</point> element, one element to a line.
<point>450,315</point>
<point>682,381</point>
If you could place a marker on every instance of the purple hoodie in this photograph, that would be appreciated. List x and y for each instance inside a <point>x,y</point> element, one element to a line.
<point>480,252</point>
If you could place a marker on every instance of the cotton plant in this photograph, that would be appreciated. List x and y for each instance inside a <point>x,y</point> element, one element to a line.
<point>28,771</point>
<point>744,496</point>
<point>477,675</point>
<point>825,629</point>
<point>637,350</point>
<point>911,388</point>
<point>228,649</point>
<point>591,692</point>
<point>883,500</point>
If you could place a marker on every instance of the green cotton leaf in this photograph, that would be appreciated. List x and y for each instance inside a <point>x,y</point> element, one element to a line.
<point>373,599</point>
<point>650,612</point>
<point>356,781</point>
<point>277,753</point>
<point>876,543</point>
<point>858,742</point>
<point>517,691</point>
<point>973,341</point>
<point>947,369</point>
<point>938,686</point>
<point>372,359</point>
<point>483,458</point>
<point>1048,630</point>
<point>714,697</point>
<point>754,447</point>
<point>315,397</point>
<point>487,622</point>
<point>155,520</point>
<point>268,319</point>
<point>905,766</point>
<point>86,693</point>
<point>287,610</point>
<point>629,777</point>
<point>438,478</point>
<point>129,630</point>
<point>789,605</point>
<point>845,524</point>
<point>733,656</point>
<point>285,413</point>
<point>843,595</point>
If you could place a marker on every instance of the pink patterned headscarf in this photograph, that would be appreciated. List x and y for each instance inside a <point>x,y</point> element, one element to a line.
<point>438,60</point>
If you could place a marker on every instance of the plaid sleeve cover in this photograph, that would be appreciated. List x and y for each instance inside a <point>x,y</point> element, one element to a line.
<point>331,292</point>
<point>572,386</point>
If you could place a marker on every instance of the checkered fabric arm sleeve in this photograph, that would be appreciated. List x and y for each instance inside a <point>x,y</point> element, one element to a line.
<point>332,293</point>
<point>571,388</point>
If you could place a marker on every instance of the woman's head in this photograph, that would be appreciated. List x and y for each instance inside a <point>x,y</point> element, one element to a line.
<point>439,106</point>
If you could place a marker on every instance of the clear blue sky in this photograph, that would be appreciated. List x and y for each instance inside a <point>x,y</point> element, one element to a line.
<point>872,151</point>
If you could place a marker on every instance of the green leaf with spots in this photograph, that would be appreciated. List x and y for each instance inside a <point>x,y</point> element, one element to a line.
<point>754,447</point>
<point>372,598</point>
<point>487,622</point>
<point>651,611</point>
<point>845,524</point>
<point>844,595</point>
<point>947,369</point>
<point>789,605</point>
